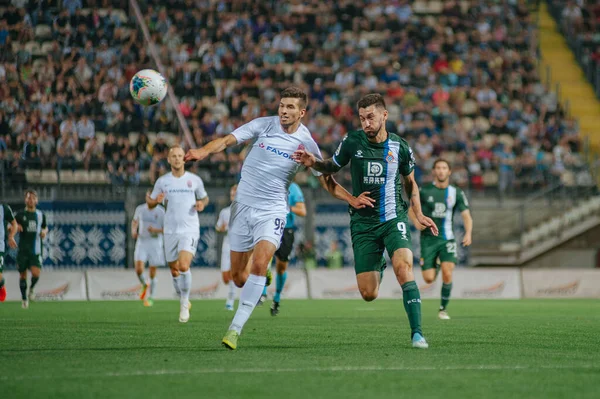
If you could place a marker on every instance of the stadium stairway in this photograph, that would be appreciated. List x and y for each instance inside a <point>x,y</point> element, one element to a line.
<point>565,71</point>
<point>544,236</point>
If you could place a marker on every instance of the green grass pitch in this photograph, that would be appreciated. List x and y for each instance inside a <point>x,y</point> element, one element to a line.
<point>314,349</point>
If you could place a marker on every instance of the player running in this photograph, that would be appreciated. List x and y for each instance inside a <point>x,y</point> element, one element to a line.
<point>439,201</point>
<point>222,227</point>
<point>185,196</point>
<point>7,224</point>
<point>31,224</point>
<point>147,228</point>
<point>260,208</point>
<point>282,256</point>
<point>378,159</point>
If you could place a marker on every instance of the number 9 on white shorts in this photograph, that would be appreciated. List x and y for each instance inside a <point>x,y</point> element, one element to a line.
<point>175,243</point>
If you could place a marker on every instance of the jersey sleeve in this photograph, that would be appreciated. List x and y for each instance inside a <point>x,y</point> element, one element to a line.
<point>19,217</point>
<point>296,195</point>
<point>343,153</point>
<point>44,223</point>
<point>407,160</point>
<point>200,190</point>
<point>461,201</point>
<point>161,218</point>
<point>157,189</point>
<point>136,214</point>
<point>8,214</point>
<point>249,130</point>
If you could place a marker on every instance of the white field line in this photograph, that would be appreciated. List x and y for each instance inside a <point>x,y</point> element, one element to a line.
<point>331,369</point>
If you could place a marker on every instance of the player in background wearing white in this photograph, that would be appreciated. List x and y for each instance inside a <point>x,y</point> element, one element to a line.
<point>222,227</point>
<point>185,196</point>
<point>147,228</point>
<point>260,208</point>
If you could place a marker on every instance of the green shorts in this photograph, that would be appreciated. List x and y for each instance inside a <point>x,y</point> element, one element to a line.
<point>369,240</point>
<point>433,248</point>
<point>26,261</point>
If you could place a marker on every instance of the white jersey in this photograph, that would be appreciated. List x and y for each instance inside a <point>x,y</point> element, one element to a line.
<point>181,194</point>
<point>223,222</point>
<point>269,169</point>
<point>146,218</point>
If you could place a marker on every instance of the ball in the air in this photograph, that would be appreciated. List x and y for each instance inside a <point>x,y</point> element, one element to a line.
<point>148,87</point>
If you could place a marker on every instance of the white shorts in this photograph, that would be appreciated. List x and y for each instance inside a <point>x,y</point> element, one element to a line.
<point>175,243</point>
<point>150,251</point>
<point>249,225</point>
<point>225,257</point>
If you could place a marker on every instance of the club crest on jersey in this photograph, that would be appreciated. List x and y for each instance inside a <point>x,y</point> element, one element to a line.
<point>189,183</point>
<point>301,147</point>
<point>430,199</point>
<point>261,145</point>
<point>390,157</point>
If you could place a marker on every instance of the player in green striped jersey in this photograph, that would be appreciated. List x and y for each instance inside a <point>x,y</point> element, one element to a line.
<point>440,200</point>
<point>33,229</point>
<point>381,163</point>
<point>8,224</point>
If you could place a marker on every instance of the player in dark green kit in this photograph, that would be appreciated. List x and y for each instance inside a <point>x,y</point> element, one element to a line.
<point>33,229</point>
<point>381,163</point>
<point>439,201</point>
<point>6,219</point>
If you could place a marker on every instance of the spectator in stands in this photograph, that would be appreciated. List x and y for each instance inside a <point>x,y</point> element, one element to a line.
<point>47,145</point>
<point>115,170</point>
<point>92,153</point>
<point>131,168</point>
<point>506,168</point>
<point>85,131</point>
<point>66,149</point>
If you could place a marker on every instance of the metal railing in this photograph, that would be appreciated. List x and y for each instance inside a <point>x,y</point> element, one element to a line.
<point>170,93</point>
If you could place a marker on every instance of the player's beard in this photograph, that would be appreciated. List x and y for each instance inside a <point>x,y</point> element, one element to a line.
<point>289,122</point>
<point>373,133</point>
<point>442,180</point>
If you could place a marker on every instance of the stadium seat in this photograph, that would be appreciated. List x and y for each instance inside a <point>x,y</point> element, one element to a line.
<point>145,176</point>
<point>490,178</point>
<point>568,178</point>
<point>32,47</point>
<point>435,7</point>
<point>81,176</point>
<point>49,176</point>
<point>98,177</point>
<point>86,11</point>
<point>121,15</point>
<point>46,47</point>
<point>33,175</point>
<point>43,32</point>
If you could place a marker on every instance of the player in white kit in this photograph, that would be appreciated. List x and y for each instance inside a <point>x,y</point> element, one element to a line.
<point>258,214</point>
<point>222,227</point>
<point>147,229</point>
<point>185,196</point>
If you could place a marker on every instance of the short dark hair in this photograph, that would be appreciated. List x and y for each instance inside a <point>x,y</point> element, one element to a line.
<point>442,160</point>
<point>295,92</point>
<point>371,99</point>
<point>30,191</point>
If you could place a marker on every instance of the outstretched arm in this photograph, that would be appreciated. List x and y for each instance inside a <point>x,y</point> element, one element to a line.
<point>413,218</point>
<point>339,192</point>
<point>412,190</point>
<point>327,166</point>
<point>212,147</point>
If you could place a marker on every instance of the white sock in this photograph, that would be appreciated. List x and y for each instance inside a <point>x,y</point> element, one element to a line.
<point>185,284</point>
<point>142,279</point>
<point>176,285</point>
<point>231,294</point>
<point>152,286</point>
<point>248,299</point>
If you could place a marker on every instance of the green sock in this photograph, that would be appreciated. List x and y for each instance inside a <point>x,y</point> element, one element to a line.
<point>446,290</point>
<point>412,304</point>
<point>23,287</point>
<point>34,281</point>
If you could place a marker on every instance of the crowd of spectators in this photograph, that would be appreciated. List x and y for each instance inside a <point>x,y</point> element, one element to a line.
<point>579,21</point>
<point>459,77</point>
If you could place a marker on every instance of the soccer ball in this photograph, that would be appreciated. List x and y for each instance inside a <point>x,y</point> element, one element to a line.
<point>148,87</point>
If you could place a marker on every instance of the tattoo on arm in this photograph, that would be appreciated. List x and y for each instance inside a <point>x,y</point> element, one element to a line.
<point>327,166</point>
